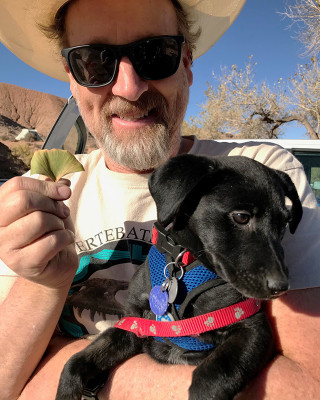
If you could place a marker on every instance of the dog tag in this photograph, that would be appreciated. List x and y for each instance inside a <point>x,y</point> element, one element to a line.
<point>172,290</point>
<point>158,300</point>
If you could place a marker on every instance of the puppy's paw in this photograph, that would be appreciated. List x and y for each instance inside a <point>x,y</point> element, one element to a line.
<point>70,388</point>
<point>207,389</point>
<point>200,394</point>
<point>73,378</point>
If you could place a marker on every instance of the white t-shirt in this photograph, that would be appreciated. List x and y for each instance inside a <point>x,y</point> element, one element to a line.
<point>113,214</point>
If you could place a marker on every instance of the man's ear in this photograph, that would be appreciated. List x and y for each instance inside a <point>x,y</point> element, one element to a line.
<point>187,62</point>
<point>72,82</point>
<point>65,65</point>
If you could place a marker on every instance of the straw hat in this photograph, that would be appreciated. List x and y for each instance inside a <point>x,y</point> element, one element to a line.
<point>19,31</point>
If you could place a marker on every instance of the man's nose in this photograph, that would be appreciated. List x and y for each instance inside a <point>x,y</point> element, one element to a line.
<point>128,83</point>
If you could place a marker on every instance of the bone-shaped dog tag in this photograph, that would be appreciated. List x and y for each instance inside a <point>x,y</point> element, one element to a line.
<point>172,289</point>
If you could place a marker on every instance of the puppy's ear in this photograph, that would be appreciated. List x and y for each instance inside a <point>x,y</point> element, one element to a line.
<point>291,192</point>
<point>171,184</point>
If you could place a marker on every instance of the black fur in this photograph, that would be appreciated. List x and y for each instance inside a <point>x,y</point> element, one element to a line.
<point>230,213</point>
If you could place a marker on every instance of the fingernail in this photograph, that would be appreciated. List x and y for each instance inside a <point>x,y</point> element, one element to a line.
<point>65,181</point>
<point>65,210</point>
<point>64,191</point>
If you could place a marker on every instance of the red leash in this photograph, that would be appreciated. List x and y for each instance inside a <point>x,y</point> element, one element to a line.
<point>191,326</point>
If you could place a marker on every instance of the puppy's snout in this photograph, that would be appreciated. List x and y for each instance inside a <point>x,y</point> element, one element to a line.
<point>277,287</point>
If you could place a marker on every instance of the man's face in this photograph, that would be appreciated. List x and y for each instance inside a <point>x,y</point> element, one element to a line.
<point>136,122</point>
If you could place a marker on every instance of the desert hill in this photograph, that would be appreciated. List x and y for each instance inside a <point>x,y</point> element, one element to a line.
<point>23,108</point>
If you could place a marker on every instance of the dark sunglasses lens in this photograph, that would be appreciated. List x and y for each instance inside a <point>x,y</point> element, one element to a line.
<point>92,66</point>
<point>156,58</point>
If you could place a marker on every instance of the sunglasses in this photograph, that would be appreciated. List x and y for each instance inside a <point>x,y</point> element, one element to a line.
<point>96,65</point>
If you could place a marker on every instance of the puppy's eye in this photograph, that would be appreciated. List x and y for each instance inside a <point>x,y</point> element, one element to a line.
<point>240,217</point>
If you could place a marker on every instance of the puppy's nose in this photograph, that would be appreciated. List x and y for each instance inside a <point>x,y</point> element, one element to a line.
<point>277,287</point>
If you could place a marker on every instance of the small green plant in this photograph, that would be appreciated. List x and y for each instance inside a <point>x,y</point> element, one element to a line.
<point>23,152</point>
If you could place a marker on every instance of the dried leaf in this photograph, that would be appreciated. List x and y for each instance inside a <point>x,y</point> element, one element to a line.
<point>54,163</point>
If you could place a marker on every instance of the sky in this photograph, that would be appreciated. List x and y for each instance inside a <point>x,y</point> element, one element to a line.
<point>259,31</point>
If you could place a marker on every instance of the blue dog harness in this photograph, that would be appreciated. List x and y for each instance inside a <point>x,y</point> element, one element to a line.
<point>192,279</point>
<point>188,279</point>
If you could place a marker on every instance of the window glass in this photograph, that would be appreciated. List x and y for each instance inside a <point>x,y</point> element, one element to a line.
<point>311,164</point>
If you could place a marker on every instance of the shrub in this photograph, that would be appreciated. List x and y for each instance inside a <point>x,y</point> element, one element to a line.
<point>23,151</point>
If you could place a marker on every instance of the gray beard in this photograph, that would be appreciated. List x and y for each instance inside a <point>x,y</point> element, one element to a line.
<point>144,150</point>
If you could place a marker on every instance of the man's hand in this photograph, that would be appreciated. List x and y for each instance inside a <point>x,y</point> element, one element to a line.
<point>36,232</point>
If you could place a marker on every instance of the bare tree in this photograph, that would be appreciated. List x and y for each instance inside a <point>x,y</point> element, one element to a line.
<point>304,88</point>
<point>236,105</point>
<point>306,14</point>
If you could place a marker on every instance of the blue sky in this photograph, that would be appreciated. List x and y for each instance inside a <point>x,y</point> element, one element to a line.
<point>259,31</point>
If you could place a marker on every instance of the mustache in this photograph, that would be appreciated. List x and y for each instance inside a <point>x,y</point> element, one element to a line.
<point>147,102</point>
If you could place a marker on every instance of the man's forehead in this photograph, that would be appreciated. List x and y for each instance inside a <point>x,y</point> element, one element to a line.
<point>119,22</point>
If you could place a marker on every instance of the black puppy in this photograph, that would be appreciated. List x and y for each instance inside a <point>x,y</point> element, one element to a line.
<point>230,213</point>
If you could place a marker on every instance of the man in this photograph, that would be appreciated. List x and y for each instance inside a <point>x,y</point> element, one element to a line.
<point>135,113</point>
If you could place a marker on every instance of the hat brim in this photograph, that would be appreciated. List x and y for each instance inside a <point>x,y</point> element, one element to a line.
<point>20,19</point>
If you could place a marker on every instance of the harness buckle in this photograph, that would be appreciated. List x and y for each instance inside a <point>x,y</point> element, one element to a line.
<point>166,243</point>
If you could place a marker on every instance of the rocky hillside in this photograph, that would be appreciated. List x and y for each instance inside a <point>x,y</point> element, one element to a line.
<point>23,108</point>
